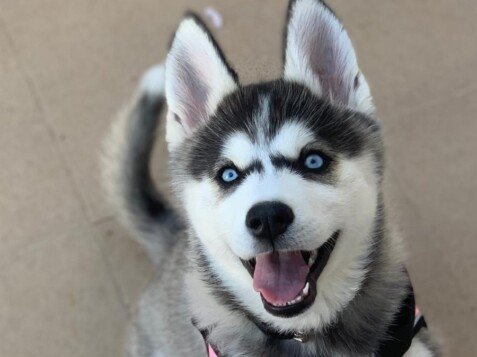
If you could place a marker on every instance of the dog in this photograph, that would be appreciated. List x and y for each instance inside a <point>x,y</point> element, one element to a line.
<point>280,244</point>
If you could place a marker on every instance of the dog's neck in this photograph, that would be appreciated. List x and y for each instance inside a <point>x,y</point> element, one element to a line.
<point>360,326</point>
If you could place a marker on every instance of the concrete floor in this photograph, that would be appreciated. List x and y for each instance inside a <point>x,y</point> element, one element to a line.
<point>69,277</point>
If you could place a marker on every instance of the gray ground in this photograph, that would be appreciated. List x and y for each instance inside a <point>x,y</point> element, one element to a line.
<point>69,278</point>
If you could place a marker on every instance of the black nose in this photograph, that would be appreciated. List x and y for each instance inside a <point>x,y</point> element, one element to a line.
<point>267,220</point>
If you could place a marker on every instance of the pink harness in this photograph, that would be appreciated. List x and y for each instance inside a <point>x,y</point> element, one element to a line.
<point>211,351</point>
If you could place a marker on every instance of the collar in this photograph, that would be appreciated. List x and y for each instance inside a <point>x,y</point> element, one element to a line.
<point>270,332</point>
<point>405,326</point>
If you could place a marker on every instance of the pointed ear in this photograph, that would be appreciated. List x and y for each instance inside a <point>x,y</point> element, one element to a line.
<point>197,78</point>
<point>319,54</point>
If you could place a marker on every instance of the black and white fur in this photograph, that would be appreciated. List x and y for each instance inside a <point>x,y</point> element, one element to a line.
<point>323,101</point>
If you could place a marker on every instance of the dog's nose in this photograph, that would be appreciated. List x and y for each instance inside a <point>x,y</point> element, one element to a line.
<point>267,220</point>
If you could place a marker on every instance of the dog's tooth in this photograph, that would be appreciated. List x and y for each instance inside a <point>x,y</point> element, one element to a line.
<point>306,289</point>
<point>312,258</point>
<point>294,301</point>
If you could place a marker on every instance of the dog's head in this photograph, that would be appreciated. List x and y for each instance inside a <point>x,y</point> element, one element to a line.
<point>279,180</point>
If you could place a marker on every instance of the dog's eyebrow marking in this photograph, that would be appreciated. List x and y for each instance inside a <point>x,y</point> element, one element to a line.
<point>290,140</point>
<point>255,166</point>
<point>239,149</point>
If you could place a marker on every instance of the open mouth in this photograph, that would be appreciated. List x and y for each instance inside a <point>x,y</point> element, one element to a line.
<point>286,280</point>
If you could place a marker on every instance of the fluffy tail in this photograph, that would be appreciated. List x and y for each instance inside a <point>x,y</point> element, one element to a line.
<point>126,176</point>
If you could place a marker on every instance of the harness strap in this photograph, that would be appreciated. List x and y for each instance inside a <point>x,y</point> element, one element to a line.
<point>406,325</point>
<point>419,321</point>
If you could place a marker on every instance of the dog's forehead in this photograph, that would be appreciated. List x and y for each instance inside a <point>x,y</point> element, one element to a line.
<point>265,136</point>
<point>287,141</point>
<point>276,118</point>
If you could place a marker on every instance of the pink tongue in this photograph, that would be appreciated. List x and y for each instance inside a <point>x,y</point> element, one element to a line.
<point>280,276</point>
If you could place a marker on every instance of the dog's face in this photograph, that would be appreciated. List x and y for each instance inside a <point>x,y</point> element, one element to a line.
<point>279,180</point>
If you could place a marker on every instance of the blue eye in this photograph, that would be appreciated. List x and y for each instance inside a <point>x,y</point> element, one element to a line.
<point>229,175</point>
<point>314,161</point>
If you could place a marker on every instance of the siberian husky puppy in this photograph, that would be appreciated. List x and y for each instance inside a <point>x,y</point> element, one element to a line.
<point>281,246</point>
